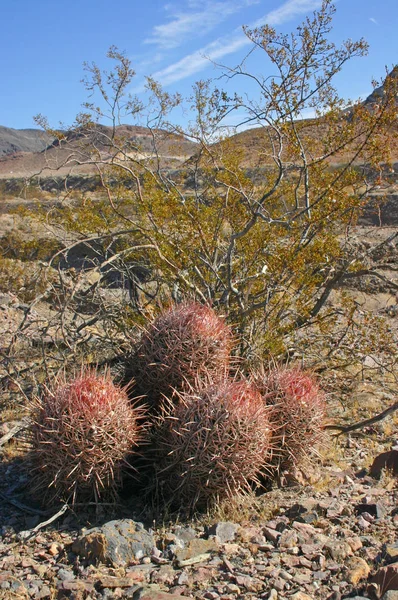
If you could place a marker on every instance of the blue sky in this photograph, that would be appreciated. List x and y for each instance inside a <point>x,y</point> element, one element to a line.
<point>45,42</point>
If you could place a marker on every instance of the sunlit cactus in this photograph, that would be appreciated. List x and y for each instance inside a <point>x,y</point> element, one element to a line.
<point>297,415</point>
<point>212,444</point>
<point>82,433</point>
<point>183,343</point>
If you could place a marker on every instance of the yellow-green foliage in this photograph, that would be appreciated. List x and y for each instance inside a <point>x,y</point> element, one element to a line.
<point>26,281</point>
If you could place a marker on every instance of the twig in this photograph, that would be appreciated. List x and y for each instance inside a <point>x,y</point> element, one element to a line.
<point>51,519</point>
<point>18,427</point>
<point>375,419</point>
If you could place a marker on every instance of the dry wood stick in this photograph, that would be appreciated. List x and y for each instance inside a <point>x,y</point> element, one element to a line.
<point>366,422</point>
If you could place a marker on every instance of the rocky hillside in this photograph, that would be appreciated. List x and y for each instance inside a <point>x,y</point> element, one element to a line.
<point>23,140</point>
<point>76,149</point>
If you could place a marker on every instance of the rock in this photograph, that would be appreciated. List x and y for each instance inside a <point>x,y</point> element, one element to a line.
<point>358,569</point>
<point>338,550</point>
<point>271,534</point>
<point>114,582</point>
<point>288,539</point>
<point>300,596</point>
<point>390,552</point>
<point>195,548</point>
<point>251,584</point>
<point>164,576</point>
<point>390,595</point>
<point>225,531</point>
<point>386,578</point>
<point>186,534</point>
<point>354,542</point>
<point>116,543</point>
<point>146,594</point>
<point>363,523</point>
<point>75,586</point>
<point>65,575</point>
<point>385,460</point>
<point>375,510</point>
<point>54,549</point>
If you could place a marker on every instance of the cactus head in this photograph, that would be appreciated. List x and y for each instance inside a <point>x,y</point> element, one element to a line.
<point>83,431</point>
<point>183,343</point>
<point>212,444</point>
<point>297,415</point>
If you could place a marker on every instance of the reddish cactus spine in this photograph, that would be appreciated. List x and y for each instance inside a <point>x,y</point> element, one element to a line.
<point>297,415</point>
<point>83,431</point>
<point>212,444</point>
<point>185,342</point>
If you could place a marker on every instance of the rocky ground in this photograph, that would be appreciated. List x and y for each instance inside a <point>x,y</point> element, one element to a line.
<point>334,538</point>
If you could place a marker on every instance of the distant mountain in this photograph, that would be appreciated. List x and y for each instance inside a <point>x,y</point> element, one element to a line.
<point>23,140</point>
<point>378,93</point>
<point>25,152</point>
<point>79,149</point>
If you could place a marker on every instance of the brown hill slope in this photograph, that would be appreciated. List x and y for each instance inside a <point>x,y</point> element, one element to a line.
<point>22,140</point>
<point>78,149</point>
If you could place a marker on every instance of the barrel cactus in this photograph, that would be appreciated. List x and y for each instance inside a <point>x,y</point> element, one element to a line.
<point>183,343</point>
<point>82,433</point>
<point>212,444</point>
<point>297,415</point>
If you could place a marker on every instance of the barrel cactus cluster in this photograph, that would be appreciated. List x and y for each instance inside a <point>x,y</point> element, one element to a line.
<point>208,431</point>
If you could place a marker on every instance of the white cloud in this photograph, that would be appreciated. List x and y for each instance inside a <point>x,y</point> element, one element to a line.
<point>223,46</point>
<point>373,20</point>
<point>199,20</point>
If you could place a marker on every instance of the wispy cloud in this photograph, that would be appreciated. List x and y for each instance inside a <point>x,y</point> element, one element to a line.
<point>373,20</point>
<point>223,46</point>
<point>193,20</point>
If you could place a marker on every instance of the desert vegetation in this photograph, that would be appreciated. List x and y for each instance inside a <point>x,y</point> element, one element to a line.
<point>186,276</point>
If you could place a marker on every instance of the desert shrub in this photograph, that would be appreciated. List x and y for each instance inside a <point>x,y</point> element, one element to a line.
<point>297,416</point>
<point>212,445</point>
<point>82,434</point>
<point>15,245</point>
<point>186,341</point>
<point>26,281</point>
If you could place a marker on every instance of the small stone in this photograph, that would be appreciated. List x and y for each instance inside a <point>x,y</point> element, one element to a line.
<point>164,576</point>
<point>195,548</point>
<point>54,549</point>
<point>363,523</point>
<point>183,578</point>
<point>354,542</point>
<point>387,578</point>
<point>385,460</point>
<point>390,552</point>
<point>358,569</point>
<point>224,531</point>
<point>114,582</point>
<point>252,584</point>
<point>230,549</point>
<point>288,539</point>
<point>65,575</point>
<point>151,594</point>
<point>43,593</point>
<point>279,584</point>
<point>273,595</point>
<point>300,596</point>
<point>338,550</point>
<point>232,588</point>
<point>75,586</point>
<point>271,534</point>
